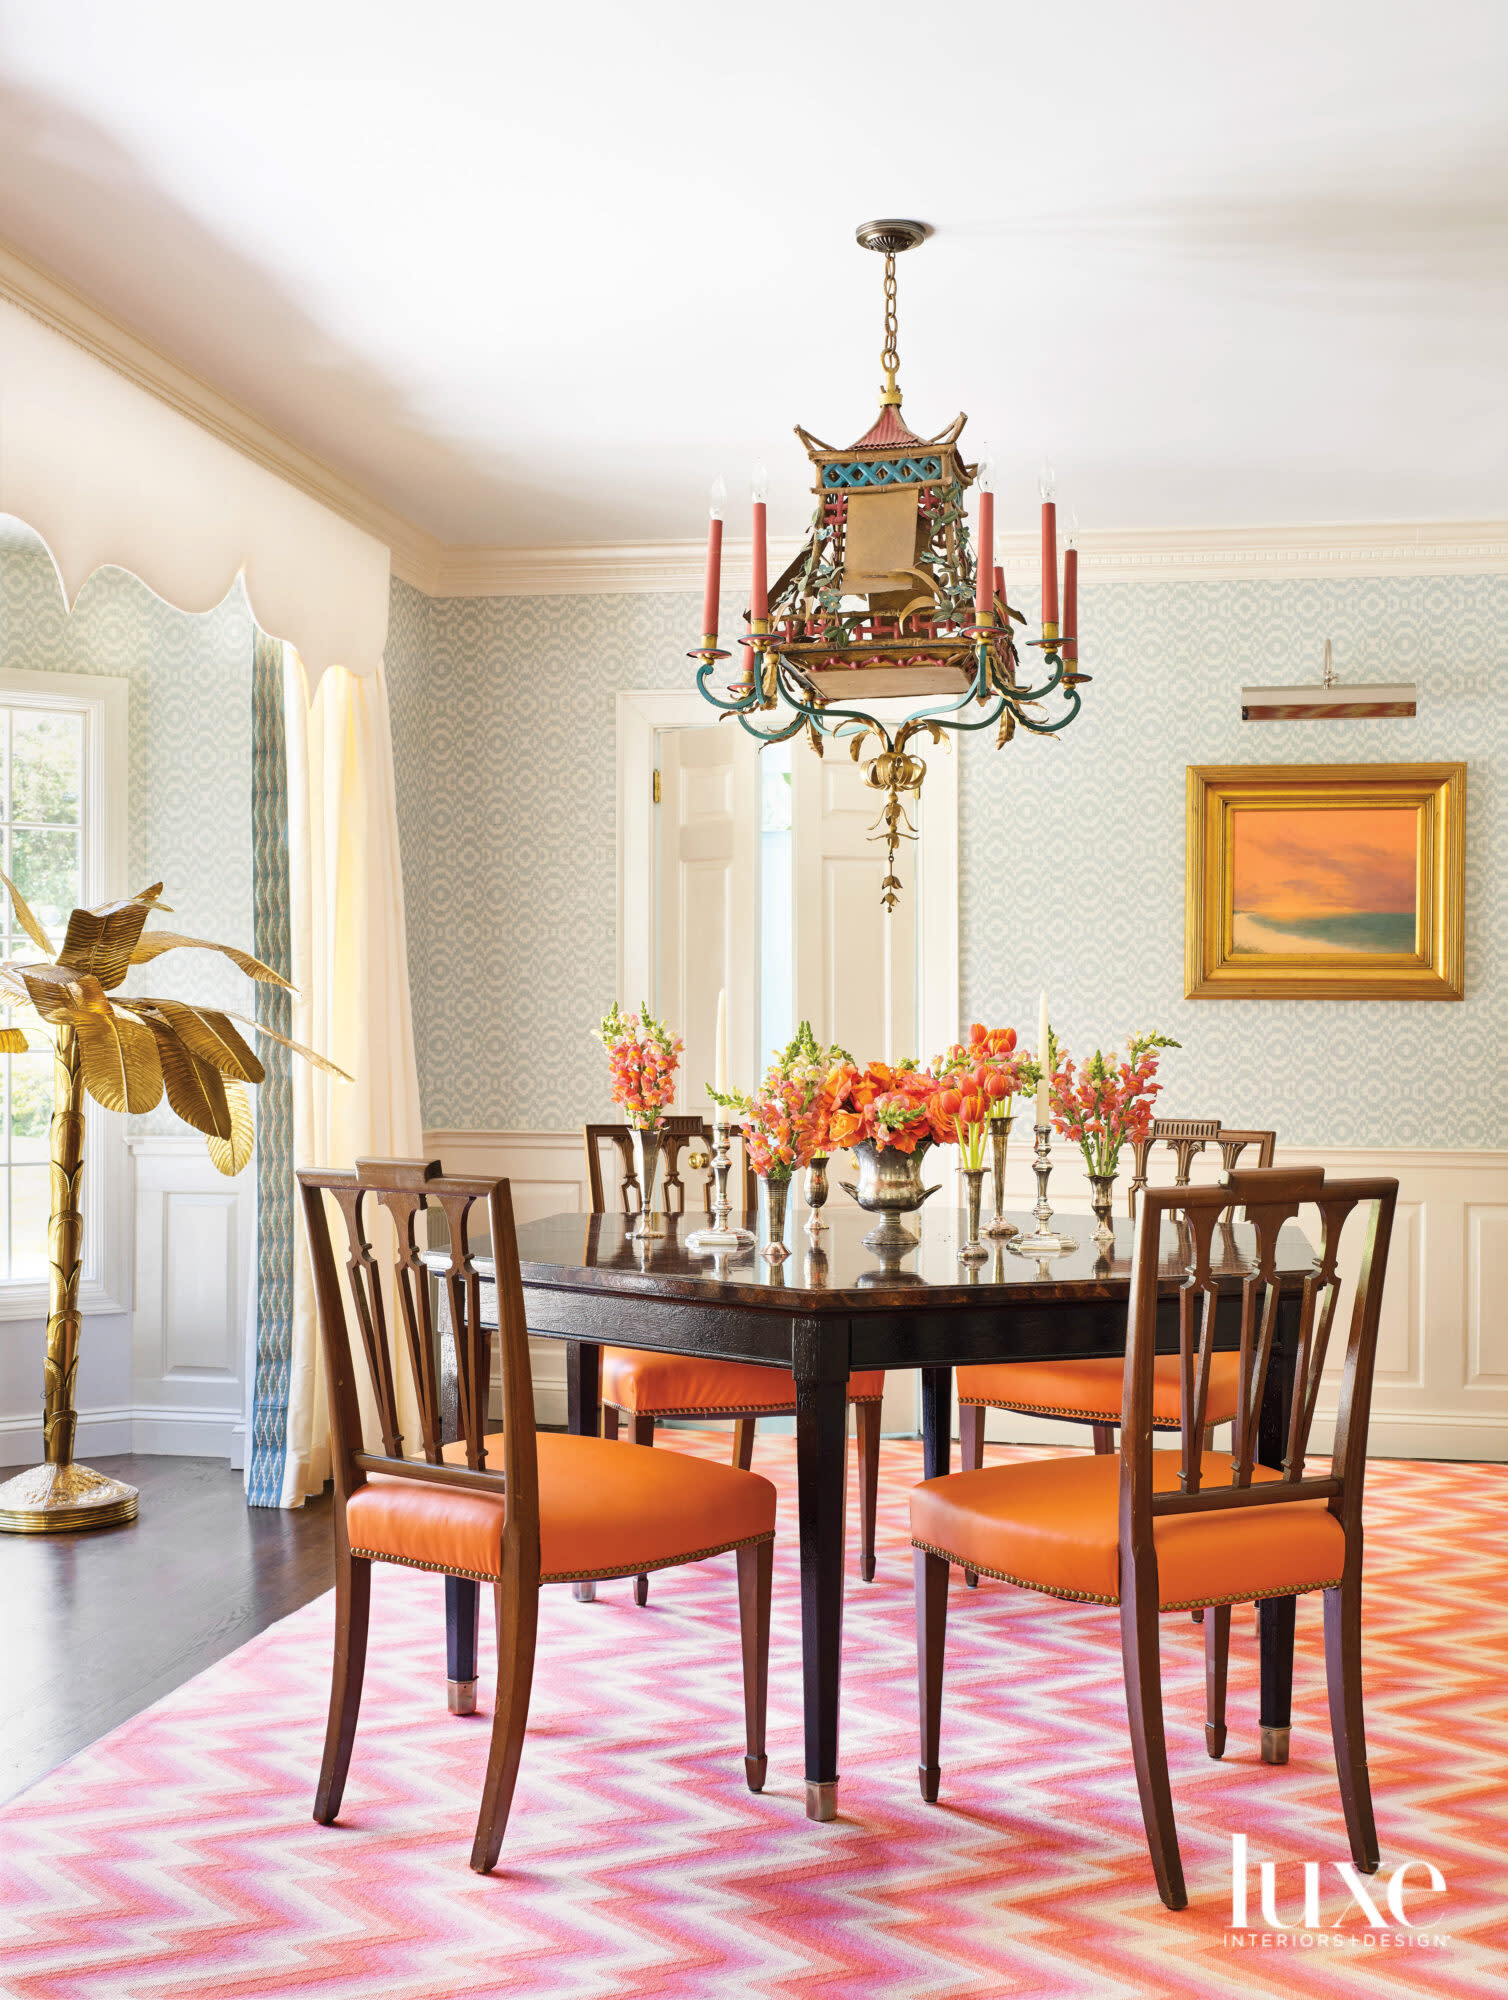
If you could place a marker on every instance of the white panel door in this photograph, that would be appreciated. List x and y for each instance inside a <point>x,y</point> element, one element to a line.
<point>707,897</point>
<point>855,966</point>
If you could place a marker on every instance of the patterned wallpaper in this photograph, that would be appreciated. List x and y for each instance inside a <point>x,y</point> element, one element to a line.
<point>1072,850</point>
<point>190,744</point>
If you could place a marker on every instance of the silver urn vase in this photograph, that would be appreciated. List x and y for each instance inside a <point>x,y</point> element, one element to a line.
<point>889,1185</point>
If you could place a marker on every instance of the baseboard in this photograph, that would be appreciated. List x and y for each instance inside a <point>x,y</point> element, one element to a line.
<point>160,1432</point>
<point>99,1434</point>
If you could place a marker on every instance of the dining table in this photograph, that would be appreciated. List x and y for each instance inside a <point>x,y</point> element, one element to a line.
<point>834,1306</point>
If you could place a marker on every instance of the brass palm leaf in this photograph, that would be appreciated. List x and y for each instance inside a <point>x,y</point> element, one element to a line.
<point>25,918</point>
<point>101,941</point>
<point>195,1089</point>
<point>206,1033</point>
<point>119,1056</point>
<point>231,1154</point>
<point>298,1048</point>
<point>13,1042</point>
<point>153,944</point>
<point>57,993</point>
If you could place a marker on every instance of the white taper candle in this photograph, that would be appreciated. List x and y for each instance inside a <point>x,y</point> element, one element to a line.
<point>720,1065</point>
<point>1044,1061</point>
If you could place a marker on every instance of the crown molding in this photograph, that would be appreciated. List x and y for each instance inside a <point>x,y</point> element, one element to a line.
<point>415,554</point>
<point>1161,555</point>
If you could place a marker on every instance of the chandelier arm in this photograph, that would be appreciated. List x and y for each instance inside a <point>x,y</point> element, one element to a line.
<point>825,717</point>
<point>771,735</point>
<point>738,707</point>
<point>1051,728</point>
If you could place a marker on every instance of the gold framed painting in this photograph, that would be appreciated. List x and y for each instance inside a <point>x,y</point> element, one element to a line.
<point>1325,881</point>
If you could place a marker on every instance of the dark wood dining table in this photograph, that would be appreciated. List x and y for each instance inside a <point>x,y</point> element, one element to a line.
<point>833,1307</point>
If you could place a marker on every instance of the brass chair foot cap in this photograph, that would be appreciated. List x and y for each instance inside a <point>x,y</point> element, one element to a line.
<point>460,1697</point>
<point>754,1770</point>
<point>822,1798</point>
<point>584,1593</point>
<point>1214,1738</point>
<point>930,1777</point>
<point>1274,1745</point>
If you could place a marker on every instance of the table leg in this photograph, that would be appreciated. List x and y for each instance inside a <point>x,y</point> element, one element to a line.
<point>462,1616</point>
<point>1275,1614</point>
<point>583,1412</point>
<point>937,1422</point>
<point>821,1469</point>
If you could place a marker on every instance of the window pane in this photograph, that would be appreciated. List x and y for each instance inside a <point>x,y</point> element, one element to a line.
<point>28,1223</point>
<point>46,865</point>
<point>47,767</point>
<point>30,1103</point>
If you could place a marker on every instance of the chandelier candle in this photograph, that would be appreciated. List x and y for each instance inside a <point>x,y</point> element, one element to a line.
<point>984,575</point>
<point>1070,607</point>
<point>713,588</point>
<point>1049,556</point>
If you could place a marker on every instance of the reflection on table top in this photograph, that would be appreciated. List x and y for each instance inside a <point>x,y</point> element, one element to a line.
<point>596,1253</point>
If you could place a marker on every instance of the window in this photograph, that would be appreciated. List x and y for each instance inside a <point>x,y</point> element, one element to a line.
<point>62,834</point>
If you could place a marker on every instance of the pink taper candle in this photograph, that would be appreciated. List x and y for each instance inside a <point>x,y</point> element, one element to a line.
<point>1049,568</point>
<point>759,599</point>
<point>1070,604</point>
<point>713,589</point>
<point>984,575</point>
<point>1000,583</point>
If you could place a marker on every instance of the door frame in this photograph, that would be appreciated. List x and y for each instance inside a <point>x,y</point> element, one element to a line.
<point>641,713</point>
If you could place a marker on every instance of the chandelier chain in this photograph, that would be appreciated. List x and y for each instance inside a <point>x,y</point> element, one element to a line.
<point>890,359</point>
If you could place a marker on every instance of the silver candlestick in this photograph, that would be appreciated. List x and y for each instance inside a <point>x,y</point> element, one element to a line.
<point>721,1236</point>
<point>1044,1241</point>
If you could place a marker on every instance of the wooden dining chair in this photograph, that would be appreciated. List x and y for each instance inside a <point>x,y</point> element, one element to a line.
<point>508,1507</point>
<point>641,1388</point>
<point>679,1133</point>
<point>1088,1391</point>
<point>1154,1531</point>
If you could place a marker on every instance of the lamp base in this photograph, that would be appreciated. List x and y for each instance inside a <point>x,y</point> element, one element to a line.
<point>58,1499</point>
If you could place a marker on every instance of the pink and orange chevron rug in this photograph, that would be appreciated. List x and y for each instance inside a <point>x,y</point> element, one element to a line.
<point>176,1859</point>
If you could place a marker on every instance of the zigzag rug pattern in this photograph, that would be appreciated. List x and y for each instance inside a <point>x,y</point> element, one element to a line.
<point>176,1859</point>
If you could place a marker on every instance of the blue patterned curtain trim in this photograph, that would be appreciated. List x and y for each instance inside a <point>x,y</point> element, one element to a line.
<point>269,1430</point>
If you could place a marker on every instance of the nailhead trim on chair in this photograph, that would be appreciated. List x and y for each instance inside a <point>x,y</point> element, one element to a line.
<point>740,1410</point>
<point>572,1575</point>
<point>1088,1597</point>
<point>1083,1416</point>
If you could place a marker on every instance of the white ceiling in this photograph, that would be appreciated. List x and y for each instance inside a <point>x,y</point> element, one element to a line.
<point>533,274</point>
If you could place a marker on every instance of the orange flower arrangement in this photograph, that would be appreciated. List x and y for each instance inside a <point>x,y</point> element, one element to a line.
<point>978,1079</point>
<point>889,1106</point>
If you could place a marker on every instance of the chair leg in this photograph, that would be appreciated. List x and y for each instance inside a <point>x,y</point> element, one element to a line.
<point>353,1607</point>
<point>1216,1665</point>
<point>644,1433</point>
<point>609,1422</point>
<point>1343,1675</point>
<point>1104,1438</point>
<point>756,1566</point>
<point>867,1418</point>
<point>517,1628</point>
<point>1149,1747</point>
<point>463,1606</point>
<point>971,1417</point>
<point>931,1573</point>
<point>743,1442</point>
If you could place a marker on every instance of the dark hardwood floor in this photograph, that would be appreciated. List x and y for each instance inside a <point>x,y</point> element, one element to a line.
<point>95,1627</point>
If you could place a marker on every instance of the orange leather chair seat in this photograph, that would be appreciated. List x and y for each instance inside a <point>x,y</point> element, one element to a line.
<point>1092,1389</point>
<point>1054,1525</point>
<point>603,1511</point>
<point>692,1385</point>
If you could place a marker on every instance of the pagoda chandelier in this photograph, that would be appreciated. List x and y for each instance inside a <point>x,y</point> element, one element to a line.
<point>888,601</point>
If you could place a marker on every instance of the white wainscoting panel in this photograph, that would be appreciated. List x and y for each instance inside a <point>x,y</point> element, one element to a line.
<point>1441,1389</point>
<point>194,1235</point>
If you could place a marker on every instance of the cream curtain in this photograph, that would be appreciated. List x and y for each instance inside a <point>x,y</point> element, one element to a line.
<point>350,966</point>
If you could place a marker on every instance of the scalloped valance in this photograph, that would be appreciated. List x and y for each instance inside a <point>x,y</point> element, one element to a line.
<point>106,473</point>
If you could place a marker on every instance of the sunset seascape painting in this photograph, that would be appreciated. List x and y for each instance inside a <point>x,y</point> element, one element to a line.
<point>1325,880</point>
